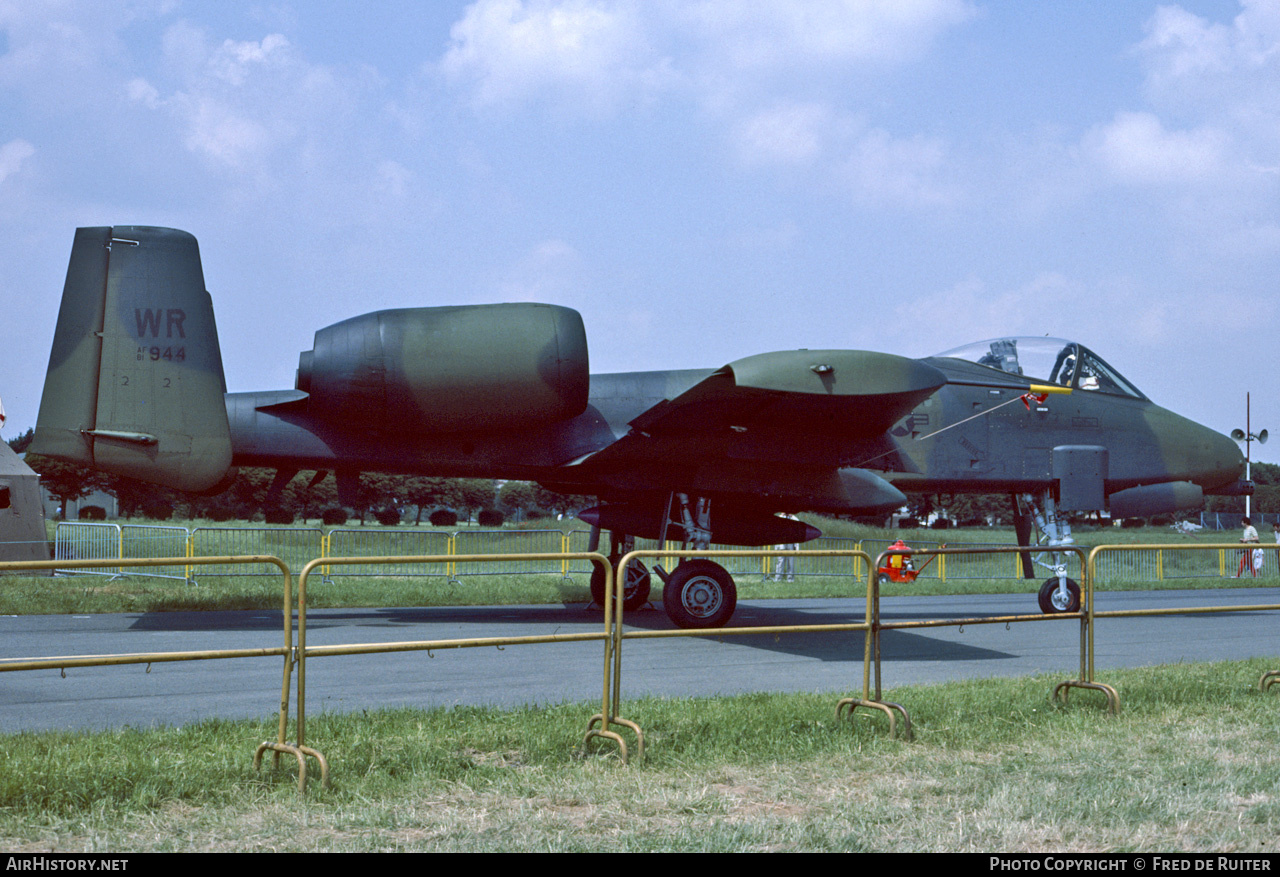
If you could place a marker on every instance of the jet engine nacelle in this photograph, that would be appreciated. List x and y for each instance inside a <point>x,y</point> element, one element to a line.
<point>450,369</point>
<point>1156,499</point>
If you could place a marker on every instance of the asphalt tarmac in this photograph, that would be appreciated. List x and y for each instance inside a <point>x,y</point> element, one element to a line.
<point>181,693</point>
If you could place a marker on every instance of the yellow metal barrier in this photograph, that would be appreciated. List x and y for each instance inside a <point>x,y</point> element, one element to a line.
<point>1085,679</point>
<point>867,626</point>
<point>612,634</point>
<point>1267,679</point>
<point>606,716</point>
<point>286,651</point>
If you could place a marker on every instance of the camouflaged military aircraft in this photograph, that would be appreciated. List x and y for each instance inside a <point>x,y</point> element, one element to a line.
<point>135,387</point>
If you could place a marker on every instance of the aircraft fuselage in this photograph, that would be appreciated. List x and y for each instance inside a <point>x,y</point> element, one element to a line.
<point>961,439</point>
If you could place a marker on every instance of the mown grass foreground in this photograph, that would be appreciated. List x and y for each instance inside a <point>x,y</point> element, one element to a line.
<point>1190,764</point>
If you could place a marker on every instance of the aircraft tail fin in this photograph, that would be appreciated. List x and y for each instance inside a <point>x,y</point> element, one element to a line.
<point>135,384</point>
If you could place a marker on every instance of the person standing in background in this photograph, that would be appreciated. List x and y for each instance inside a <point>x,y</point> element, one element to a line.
<point>1248,537</point>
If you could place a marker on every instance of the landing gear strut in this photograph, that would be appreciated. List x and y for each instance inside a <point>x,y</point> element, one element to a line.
<point>635,591</point>
<point>1059,593</point>
<point>699,593</point>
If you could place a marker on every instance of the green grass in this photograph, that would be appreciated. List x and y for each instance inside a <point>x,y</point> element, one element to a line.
<point>1190,764</point>
<point>33,595</point>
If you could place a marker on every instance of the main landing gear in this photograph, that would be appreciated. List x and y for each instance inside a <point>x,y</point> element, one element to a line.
<point>635,592</point>
<point>698,593</point>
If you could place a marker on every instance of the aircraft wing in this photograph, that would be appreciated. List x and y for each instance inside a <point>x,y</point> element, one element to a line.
<point>786,427</point>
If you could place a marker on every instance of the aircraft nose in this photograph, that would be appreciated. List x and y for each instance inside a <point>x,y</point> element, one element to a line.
<point>1219,462</point>
<point>1189,451</point>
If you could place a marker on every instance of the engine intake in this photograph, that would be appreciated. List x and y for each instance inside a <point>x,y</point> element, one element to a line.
<point>450,369</point>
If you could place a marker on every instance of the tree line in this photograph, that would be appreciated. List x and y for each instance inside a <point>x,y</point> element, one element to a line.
<point>411,497</point>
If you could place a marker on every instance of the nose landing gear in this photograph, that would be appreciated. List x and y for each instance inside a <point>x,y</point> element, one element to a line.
<point>1053,600</point>
<point>1059,593</point>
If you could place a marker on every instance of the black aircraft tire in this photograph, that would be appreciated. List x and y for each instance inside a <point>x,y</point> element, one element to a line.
<point>1049,590</point>
<point>637,589</point>
<point>699,594</point>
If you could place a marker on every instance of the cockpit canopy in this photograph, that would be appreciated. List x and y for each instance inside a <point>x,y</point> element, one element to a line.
<point>1050,361</point>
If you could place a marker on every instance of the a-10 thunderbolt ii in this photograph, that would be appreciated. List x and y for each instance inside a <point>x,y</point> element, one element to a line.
<point>135,387</point>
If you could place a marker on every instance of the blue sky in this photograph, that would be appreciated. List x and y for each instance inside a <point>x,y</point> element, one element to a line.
<point>703,180</point>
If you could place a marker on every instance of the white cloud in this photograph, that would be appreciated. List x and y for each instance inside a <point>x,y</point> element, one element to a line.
<point>604,53</point>
<point>1222,75</point>
<point>235,61</point>
<point>772,76</point>
<point>143,92</point>
<point>547,272</point>
<point>1137,148</point>
<point>899,172</point>
<point>12,155</point>
<point>186,50</point>
<point>255,107</point>
<point>971,310</point>
<point>785,134</point>
<point>56,40</point>
<point>393,178</point>
<point>223,132</point>
<point>584,50</point>
<point>1181,46</point>
<point>1120,317</point>
<point>1054,304</point>
<point>748,34</point>
<point>238,101</point>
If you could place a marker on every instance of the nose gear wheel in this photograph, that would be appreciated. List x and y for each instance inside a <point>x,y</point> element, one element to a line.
<point>1052,600</point>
